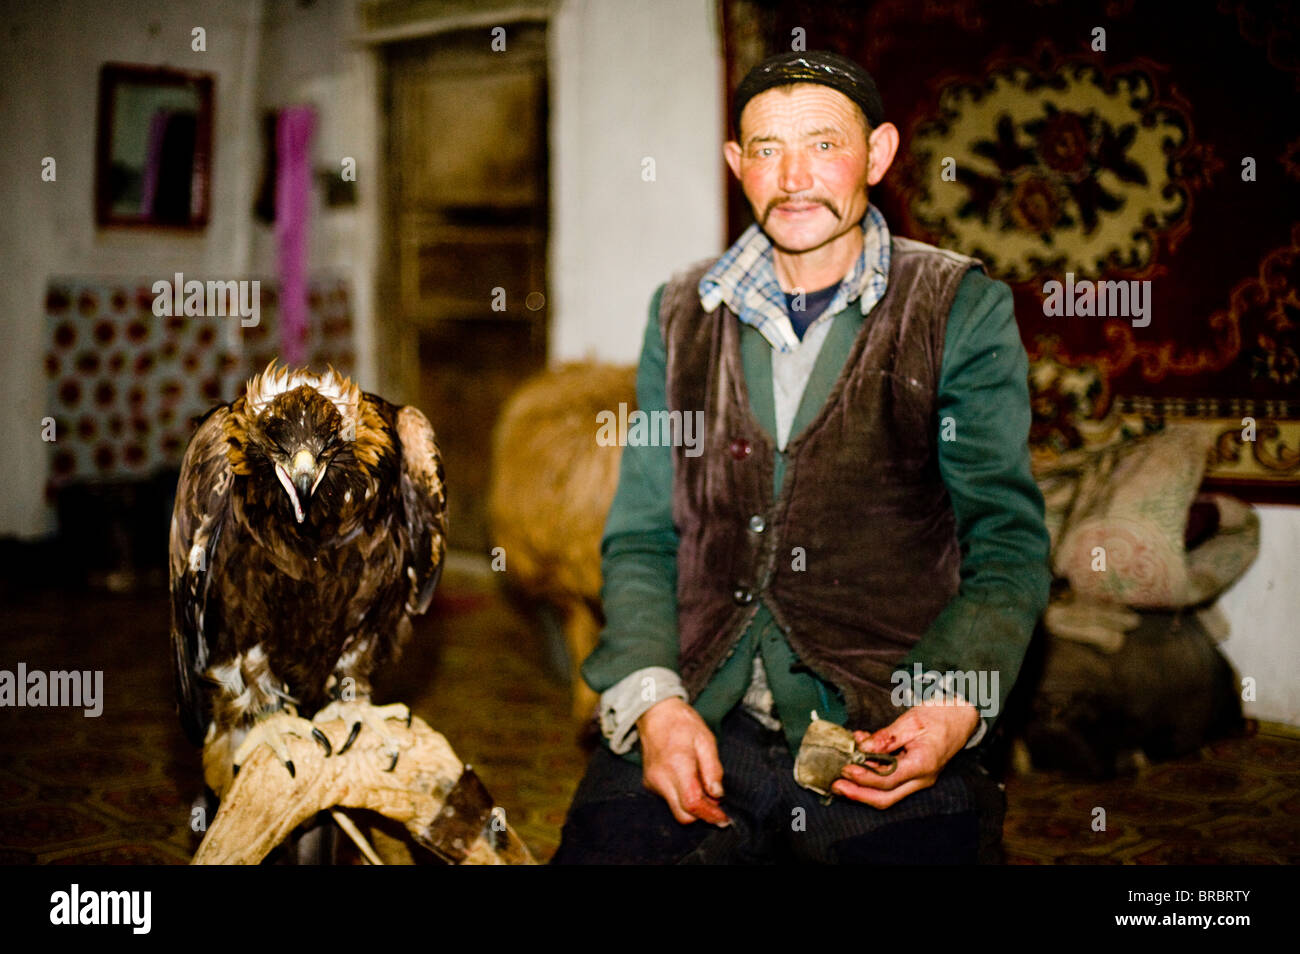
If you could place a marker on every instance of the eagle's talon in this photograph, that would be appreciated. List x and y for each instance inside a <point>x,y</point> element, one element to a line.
<point>324,741</point>
<point>360,712</point>
<point>271,729</point>
<point>352,737</point>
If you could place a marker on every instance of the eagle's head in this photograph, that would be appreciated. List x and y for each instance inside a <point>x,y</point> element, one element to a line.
<point>296,429</point>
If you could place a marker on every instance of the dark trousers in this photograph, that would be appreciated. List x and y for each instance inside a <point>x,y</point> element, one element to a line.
<point>615,820</point>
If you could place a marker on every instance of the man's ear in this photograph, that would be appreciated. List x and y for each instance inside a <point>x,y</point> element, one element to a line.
<point>731,152</point>
<point>883,145</point>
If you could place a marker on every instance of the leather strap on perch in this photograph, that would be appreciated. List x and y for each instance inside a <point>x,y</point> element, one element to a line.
<point>440,801</point>
<point>465,814</point>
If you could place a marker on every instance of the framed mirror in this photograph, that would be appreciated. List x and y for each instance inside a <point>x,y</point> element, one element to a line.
<point>154,152</point>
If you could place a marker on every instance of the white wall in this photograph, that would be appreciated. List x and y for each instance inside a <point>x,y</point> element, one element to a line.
<point>1263,608</point>
<point>50,55</point>
<point>264,55</point>
<point>630,80</point>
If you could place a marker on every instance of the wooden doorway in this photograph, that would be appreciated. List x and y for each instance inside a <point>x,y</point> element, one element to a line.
<point>465,289</point>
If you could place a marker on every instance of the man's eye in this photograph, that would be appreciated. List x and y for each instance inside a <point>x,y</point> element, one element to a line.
<point>824,146</point>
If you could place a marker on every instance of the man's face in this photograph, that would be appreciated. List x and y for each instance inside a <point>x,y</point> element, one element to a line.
<point>804,162</point>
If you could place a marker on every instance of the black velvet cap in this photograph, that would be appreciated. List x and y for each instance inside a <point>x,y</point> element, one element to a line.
<point>822,67</point>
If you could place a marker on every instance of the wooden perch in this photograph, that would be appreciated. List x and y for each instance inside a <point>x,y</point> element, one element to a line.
<point>439,800</point>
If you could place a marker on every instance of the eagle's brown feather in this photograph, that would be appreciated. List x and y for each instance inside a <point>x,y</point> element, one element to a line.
<point>267,608</point>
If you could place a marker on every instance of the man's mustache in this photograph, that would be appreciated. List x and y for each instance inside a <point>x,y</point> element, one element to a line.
<point>782,200</point>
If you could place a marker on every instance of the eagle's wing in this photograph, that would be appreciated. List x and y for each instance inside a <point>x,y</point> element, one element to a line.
<point>202,502</point>
<point>425,500</point>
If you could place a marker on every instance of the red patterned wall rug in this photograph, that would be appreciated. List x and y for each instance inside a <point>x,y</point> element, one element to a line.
<point>1144,156</point>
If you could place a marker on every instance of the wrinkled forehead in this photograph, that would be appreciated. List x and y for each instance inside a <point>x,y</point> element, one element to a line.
<point>796,110</point>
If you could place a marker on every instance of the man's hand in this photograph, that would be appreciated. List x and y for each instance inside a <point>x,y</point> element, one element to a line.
<point>680,762</point>
<point>930,734</point>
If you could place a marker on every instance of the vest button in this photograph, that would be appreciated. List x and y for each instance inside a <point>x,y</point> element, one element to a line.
<point>742,596</point>
<point>757,523</point>
<point>740,448</point>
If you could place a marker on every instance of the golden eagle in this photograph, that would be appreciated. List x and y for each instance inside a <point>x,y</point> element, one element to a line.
<point>309,527</point>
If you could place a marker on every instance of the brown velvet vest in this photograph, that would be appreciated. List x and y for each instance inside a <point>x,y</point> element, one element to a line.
<point>858,554</point>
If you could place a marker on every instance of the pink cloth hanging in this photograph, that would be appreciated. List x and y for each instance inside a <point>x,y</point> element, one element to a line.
<point>293,135</point>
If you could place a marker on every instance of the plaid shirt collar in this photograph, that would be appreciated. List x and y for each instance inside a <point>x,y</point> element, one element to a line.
<point>745,280</point>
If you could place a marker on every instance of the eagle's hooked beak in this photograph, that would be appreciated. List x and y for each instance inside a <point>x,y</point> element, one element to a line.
<point>300,480</point>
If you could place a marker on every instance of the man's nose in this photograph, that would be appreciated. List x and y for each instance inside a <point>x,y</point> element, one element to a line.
<point>796,175</point>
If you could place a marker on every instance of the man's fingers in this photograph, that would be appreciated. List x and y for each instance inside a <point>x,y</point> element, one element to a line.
<point>664,784</point>
<point>705,808</point>
<point>679,811</point>
<point>701,778</point>
<point>918,761</point>
<point>679,786</point>
<point>688,802</point>
<point>894,736</point>
<point>681,762</point>
<point>876,798</point>
<point>866,778</point>
<point>706,754</point>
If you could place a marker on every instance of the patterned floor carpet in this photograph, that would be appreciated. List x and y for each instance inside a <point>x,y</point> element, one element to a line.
<point>117,789</point>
